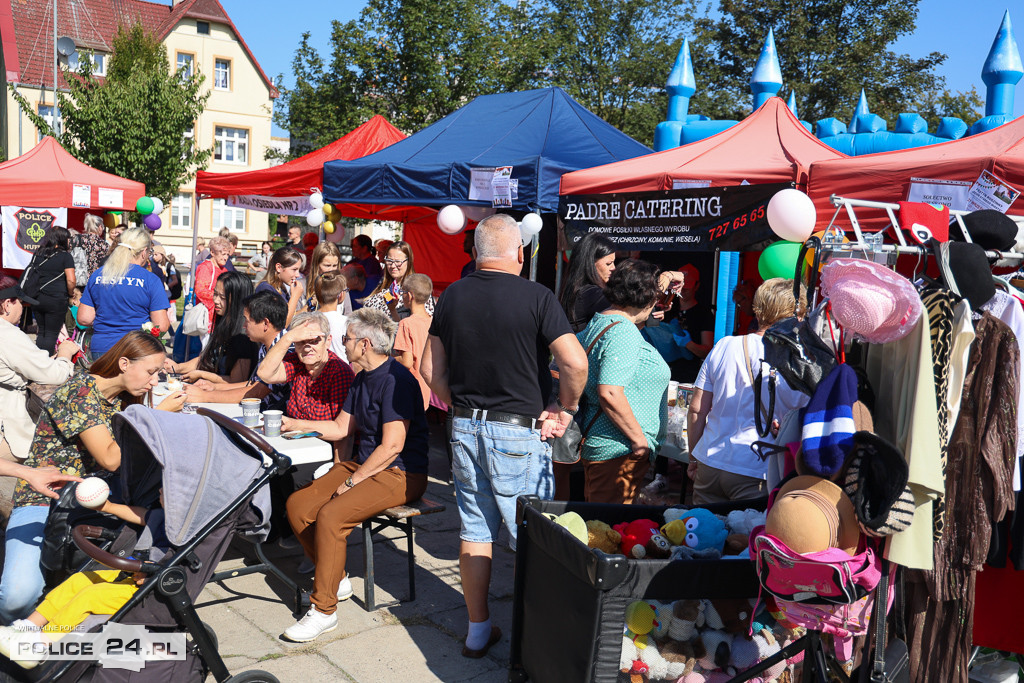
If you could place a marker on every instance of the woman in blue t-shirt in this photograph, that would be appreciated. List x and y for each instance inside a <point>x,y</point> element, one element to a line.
<point>122,295</point>
<point>385,408</point>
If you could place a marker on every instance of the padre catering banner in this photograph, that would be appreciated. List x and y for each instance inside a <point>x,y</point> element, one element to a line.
<point>23,231</point>
<point>693,219</point>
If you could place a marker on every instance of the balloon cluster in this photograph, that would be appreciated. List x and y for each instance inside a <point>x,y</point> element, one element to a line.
<point>111,219</point>
<point>321,213</point>
<point>452,220</point>
<point>791,216</point>
<point>150,208</point>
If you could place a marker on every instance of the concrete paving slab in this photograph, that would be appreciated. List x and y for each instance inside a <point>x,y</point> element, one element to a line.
<point>308,666</point>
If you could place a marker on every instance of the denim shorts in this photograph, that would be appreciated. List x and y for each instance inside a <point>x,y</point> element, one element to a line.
<point>493,463</point>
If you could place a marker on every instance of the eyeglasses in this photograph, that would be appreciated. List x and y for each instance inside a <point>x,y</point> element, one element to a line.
<point>345,339</point>
<point>394,261</point>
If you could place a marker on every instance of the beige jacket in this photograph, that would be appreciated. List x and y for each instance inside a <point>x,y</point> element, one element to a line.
<point>22,362</point>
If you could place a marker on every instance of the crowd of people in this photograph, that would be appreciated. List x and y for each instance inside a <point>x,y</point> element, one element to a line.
<point>359,352</point>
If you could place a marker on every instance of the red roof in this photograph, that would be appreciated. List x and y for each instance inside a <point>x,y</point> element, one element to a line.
<point>26,30</point>
<point>46,175</point>
<point>297,176</point>
<point>769,146</point>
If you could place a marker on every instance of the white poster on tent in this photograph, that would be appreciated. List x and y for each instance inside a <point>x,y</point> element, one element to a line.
<point>80,196</point>
<point>991,192</point>
<point>110,199</point>
<point>951,193</point>
<point>284,206</point>
<point>24,229</point>
<point>481,188</point>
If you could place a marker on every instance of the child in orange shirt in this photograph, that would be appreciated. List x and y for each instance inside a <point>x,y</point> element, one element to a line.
<point>413,331</point>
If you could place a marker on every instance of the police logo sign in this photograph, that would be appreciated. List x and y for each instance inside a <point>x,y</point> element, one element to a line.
<point>24,231</point>
<point>32,227</point>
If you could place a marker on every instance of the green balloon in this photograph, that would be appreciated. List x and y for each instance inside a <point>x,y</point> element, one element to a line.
<point>145,205</point>
<point>779,260</point>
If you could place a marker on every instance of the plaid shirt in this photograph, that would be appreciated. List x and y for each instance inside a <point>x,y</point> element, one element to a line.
<point>320,397</point>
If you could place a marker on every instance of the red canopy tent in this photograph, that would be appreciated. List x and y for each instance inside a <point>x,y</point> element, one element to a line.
<point>769,146</point>
<point>885,177</point>
<point>46,176</point>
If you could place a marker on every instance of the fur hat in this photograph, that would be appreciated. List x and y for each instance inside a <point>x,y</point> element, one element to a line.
<point>876,482</point>
<point>990,229</point>
<point>870,300</point>
<point>811,514</point>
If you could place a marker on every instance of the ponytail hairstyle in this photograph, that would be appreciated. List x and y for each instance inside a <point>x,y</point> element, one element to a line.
<point>135,345</point>
<point>131,243</point>
<point>285,257</point>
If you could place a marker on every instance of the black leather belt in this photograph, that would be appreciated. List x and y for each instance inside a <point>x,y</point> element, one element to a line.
<point>495,416</point>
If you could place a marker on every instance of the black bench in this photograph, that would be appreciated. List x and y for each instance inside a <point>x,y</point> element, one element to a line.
<point>398,517</point>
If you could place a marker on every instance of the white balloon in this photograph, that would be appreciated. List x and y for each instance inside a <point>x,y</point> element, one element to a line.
<point>451,220</point>
<point>478,213</point>
<point>791,215</point>
<point>531,224</point>
<point>316,200</point>
<point>314,217</point>
<point>158,206</point>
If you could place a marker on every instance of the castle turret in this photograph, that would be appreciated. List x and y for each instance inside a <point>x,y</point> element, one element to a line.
<point>681,86</point>
<point>1002,71</point>
<point>766,80</point>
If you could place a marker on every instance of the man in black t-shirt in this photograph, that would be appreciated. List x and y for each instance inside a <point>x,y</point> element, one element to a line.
<point>487,357</point>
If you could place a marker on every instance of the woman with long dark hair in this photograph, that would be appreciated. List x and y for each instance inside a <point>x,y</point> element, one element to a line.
<point>284,277</point>
<point>387,297</point>
<point>230,355</point>
<point>592,263</point>
<point>73,434</point>
<point>56,268</point>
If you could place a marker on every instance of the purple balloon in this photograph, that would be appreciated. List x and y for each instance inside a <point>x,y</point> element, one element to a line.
<point>152,221</point>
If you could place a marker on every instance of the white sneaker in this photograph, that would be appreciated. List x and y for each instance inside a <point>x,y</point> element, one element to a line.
<point>344,589</point>
<point>306,566</point>
<point>311,626</point>
<point>22,632</point>
<point>658,485</point>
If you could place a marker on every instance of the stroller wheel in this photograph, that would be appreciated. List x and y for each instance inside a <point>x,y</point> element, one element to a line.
<point>253,677</point>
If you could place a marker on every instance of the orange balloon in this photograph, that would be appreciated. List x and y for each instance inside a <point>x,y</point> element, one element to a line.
<point>809,257</point>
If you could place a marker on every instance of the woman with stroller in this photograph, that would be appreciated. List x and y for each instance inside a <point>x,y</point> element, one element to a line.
<point>231,355</point>
<point>385,408</point>
<point>73,434</point>
<point>122,295</point>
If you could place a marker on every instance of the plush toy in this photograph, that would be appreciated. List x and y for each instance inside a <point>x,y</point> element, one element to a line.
<point>685,552</point>
<point>704,528</point>
<point>675,531</point>
<point>657,666</point>
<point>641,619</point>
<point>603,537</point>
<point>734,614</point>
<point>635,535</point>
<point>744,521</point>
<point>687,615</point>
<point>683,655</point>
<point>628,653</point>
<point>638,672</point>
<point>718,645</point>
<point>735,544</point>
<point>573,523</point>
<point>657,547</point>
<point>712,619</point>
<point>693,677</point>
<point>663,619</point>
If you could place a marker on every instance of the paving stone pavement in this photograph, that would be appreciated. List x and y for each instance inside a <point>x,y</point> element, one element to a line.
<point>414,642</point>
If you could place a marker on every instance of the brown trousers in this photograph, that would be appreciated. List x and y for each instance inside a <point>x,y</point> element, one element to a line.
<point>712,485</point>
<point>616,480</point>
<point>323,521</point>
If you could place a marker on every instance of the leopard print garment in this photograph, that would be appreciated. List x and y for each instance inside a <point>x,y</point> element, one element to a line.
<point>939,305</point>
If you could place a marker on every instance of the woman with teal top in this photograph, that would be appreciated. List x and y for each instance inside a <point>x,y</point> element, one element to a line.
<point>625,399</point>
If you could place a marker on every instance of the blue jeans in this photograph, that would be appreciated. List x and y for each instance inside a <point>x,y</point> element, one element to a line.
<point>21,587</point>
<point>493,463</point>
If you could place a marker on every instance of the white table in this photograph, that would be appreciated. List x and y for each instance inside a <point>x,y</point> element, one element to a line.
<point>301,451</point>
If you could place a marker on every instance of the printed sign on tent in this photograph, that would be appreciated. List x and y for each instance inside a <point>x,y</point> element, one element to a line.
<point>481,187</point>
<point>951,193</point>
<point>24,229</point>
<point>80,196</point>
<point>110,199</point>
<point>696,219</point>
<point>284,206</point>
<point>991,192</point>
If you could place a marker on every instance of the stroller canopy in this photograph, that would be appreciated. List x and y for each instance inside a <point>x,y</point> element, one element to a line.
<point>204,469</point>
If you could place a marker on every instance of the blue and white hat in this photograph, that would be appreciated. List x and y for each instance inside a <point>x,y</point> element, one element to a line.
<point>828,423</point>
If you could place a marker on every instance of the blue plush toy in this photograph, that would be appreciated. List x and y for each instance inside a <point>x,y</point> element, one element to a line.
<point>703,529</point>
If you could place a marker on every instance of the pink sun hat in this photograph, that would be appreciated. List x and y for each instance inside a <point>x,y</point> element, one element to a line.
<point>869,300</point>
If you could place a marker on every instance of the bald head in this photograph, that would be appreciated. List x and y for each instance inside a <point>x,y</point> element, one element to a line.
<point>497,239</point>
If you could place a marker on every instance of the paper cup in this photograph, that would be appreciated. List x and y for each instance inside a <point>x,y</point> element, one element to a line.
<point>272,422</point>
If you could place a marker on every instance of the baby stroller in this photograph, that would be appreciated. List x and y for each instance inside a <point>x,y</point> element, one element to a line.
<point>214,485</point>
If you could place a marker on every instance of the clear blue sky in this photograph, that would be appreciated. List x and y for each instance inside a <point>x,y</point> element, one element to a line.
<point>273,30</point>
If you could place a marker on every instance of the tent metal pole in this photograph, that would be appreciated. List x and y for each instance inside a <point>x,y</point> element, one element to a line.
<point>558,271</point>
<point>533,258</point>
<point>195,241</point>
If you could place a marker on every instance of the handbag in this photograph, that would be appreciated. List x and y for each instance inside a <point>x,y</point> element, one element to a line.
<point>196,320</point>
<point>567,449</point>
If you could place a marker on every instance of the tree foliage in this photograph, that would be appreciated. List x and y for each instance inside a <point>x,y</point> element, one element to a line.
<point>133,122</point>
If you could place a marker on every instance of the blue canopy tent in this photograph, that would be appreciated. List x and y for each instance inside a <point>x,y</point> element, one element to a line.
<point>541,134</point>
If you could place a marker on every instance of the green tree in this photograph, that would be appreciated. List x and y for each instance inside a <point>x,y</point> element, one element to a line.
<point>828,49</point>
<point>133,123</point>
<point>967,106</point>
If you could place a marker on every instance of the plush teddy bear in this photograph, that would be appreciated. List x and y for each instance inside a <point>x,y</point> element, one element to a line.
<point>603,537</point>
<point>734,614</point>
<point>744,521</point>
<point>682,656</point>
<point>635,535</point>
<point>718,645</point>
<point>687,615</point>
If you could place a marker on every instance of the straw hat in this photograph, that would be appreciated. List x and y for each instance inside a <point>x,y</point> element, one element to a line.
<point>870,300</point>
<point>801,514</point>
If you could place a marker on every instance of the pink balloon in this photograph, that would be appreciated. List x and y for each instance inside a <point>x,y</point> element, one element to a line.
<point>152,221</point>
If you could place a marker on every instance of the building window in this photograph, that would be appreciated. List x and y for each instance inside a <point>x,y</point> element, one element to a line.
<point>184,62</point>
<point>181,211</point>
<point>231,145</point>
<point>225,216</point>
<point>203,28</point>
<point>46,111</point>
<point>98,59</point>
<point>222,74</point>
